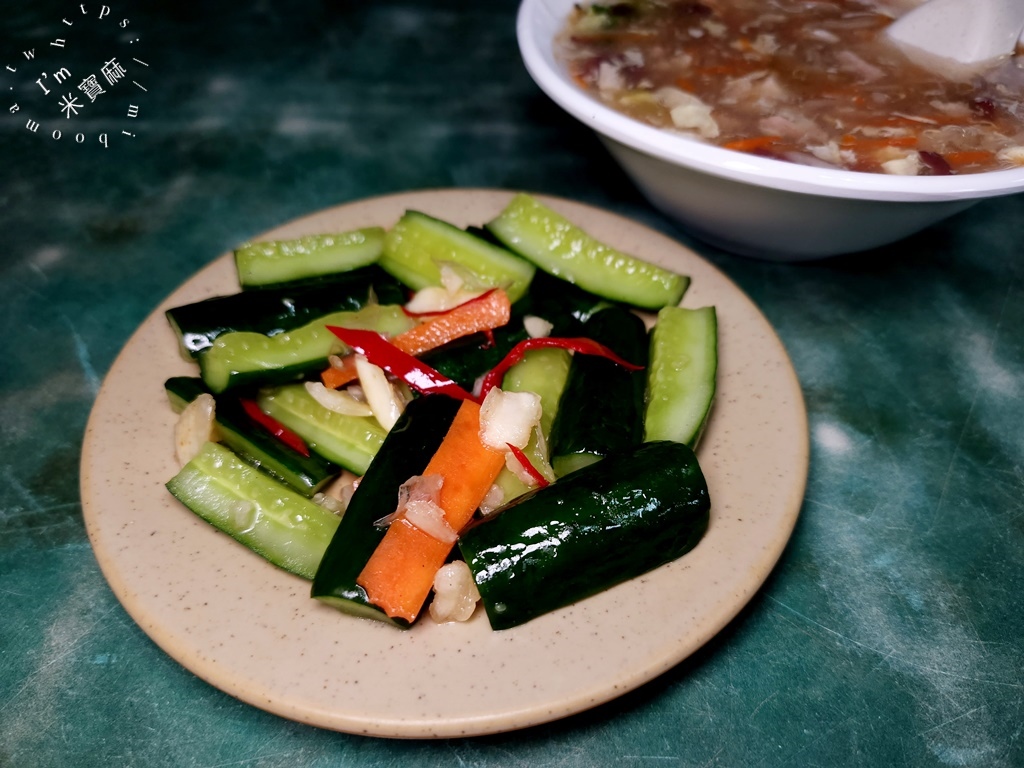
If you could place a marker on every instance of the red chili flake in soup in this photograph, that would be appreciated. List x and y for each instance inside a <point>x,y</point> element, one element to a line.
<point>808,81</point>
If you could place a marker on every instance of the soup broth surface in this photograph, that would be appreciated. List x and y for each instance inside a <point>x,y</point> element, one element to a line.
<point>808,81</point>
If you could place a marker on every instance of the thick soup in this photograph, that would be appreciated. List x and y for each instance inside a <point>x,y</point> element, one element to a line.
<point>808,81</point>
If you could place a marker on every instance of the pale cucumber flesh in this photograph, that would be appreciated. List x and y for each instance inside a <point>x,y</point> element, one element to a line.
<point>681,374</point>
<point>272,520</point>
<point>418,246</point>
<point>284,261</point>
<point>556,245</point>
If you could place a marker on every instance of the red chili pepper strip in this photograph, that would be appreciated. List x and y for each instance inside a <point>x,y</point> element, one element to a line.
<point>386,355</point>
<point>526,464</point>
<point>583,346</point>
<point>274,427</point>
<point>439,312</point>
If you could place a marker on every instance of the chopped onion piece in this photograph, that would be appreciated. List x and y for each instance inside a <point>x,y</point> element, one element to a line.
<point>455,593</point>
<point>537,327</point>
<point>508,417</point>
<point>386,405</point>
<point>195,427</point>
<point>337,400</point>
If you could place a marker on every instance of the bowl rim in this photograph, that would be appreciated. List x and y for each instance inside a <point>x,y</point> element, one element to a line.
<point>538,21</point>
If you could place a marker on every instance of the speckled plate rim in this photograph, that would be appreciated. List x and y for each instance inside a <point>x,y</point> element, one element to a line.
<point>251,630</point>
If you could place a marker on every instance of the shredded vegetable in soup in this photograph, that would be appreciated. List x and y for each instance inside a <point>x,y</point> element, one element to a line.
<point>808,81</point>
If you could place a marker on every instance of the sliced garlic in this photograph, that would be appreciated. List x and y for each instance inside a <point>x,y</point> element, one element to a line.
<point>537,327</point>
<point>508,417</point>
<point>195,427</point>
<point>337,400</point>
<point>384,402</point>
<point>455,593</point>
<point>429,518</point>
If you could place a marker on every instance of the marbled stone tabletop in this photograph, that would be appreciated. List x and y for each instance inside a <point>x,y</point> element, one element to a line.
<point>888,634</point>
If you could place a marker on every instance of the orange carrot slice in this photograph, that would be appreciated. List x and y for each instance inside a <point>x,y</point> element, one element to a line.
<point>335,377</point>
<point>752,144</point>
<point>865,144</point>
<point>968,157</point>
<point>400,572</point>
<point>487,311</point>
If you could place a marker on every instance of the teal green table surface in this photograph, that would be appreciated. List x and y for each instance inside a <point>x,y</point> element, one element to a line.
<point>888,634</point>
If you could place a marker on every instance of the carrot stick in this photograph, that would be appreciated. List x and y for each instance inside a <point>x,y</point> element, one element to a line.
<point>485,312</point>
<point>491,310</point>
<point>863,144</point>
<point>968,157</point>
<point>335,377</point>
<point>400,572</point>
<point>752,143</point>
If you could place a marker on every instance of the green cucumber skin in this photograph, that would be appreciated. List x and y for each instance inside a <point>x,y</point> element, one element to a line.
<point>284,528</point>
<point>466,359</point>
<point>682,372</point>
<point>242,358</point>
<point>418,244</point>
<point>563,305</point>
<point>543,372</point>
<point>537,233</point>
<point>406,452</point>
<point>348,441</point>
<point>305,474</point>
<point>601,408</point>
<point>275,310</point>
<point>282,262</point>
<point>598,527</point>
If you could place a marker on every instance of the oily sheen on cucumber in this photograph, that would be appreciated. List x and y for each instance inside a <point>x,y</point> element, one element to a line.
<point>275,310</point>
<point>406,452</point>
<point>255,359</point>
<point>272,520</point>
<point>601,407</point>
<point>602,525</point>
<point>556,245</point>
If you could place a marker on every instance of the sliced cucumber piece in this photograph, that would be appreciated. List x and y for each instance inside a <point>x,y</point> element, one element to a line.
<point>304,474</point>
<point>557,246</point>
<point>275,310</point>
<point>602,406</point>
<point>273,521</point>
<point>406,452</point>
<point>278,262</point>
<point>418,245</point>
<point>349,441</point>
<point>681,375</point>
<point>544,372</point>
<point>243,357</point>
<point>597,527</point>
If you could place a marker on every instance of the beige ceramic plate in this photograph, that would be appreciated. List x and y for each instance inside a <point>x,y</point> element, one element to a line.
<point>252,630</point>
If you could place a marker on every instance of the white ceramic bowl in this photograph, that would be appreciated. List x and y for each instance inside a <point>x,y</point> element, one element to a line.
<point>748,204</point>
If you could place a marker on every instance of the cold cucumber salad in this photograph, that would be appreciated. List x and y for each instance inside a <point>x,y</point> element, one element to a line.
<point>426,418</point>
